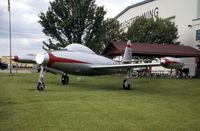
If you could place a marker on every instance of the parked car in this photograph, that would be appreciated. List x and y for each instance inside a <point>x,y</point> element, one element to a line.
<point>3,66</point>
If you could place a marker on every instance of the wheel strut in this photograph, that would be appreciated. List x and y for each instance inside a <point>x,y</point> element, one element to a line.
<point>41,85</point>
<point>127,81</point>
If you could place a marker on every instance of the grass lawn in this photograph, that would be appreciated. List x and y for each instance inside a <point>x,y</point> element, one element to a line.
<point>99,103</point>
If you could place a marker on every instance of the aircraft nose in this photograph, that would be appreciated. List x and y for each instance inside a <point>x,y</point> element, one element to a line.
<point>162,61</point>
<point>42,58</point>
<point>15,58</point>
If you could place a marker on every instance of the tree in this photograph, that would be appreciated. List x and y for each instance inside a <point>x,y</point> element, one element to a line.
<point>112,31</point>
<point>153,31</point>
<point>73,21</point>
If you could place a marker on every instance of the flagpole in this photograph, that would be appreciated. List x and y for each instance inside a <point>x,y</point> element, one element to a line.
<point>10,36</point>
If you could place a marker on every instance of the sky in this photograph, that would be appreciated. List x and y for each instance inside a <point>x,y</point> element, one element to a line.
<point>27,35</point>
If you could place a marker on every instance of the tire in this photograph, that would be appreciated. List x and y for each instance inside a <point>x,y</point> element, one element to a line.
<point>65,79</point>
<point>126,87</point>
<point>40,86</point>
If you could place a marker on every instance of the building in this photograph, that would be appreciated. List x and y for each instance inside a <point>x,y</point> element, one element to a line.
<point>116,48</point>
<point>185,14</point>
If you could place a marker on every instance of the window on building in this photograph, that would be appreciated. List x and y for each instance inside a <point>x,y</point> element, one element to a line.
<point>198,34</point>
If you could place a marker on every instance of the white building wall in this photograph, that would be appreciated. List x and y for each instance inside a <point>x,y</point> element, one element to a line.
<point>182,12</point>
<point>198,9</point>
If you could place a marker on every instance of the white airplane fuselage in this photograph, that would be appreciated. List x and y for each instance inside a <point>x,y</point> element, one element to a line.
<point>77,63</point>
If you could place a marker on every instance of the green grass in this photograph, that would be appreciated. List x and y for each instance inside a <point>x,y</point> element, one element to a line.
<point>99,103</point>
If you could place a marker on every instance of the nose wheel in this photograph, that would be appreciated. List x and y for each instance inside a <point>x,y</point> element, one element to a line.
<point>41,85</point>
<point>65,79</point>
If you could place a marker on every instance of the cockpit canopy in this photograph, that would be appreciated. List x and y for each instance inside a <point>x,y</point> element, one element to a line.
<point>79,48</point>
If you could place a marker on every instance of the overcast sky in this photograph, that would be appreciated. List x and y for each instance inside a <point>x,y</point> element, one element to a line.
<point>27,34</point>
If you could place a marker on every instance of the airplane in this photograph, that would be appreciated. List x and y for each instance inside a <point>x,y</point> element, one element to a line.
<point>77,59</point>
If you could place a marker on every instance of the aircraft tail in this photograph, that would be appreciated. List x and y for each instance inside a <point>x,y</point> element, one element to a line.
<point>127,53</point>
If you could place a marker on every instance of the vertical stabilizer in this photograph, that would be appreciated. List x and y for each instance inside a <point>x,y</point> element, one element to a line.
<point>127,53</point>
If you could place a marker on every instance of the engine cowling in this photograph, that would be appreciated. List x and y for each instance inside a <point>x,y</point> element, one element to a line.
<point>42,58</point>
<point>172,63</point>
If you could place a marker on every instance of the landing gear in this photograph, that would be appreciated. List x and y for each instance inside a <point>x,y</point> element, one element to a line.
<point>41,85</point>
<point>127,81</point>
<point>126,85</point>
<point>65,79</point>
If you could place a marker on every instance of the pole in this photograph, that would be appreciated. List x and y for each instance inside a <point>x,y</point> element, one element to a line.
<point>10,36</point>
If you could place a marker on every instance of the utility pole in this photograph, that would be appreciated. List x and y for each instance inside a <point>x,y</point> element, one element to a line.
<point>10,36</point>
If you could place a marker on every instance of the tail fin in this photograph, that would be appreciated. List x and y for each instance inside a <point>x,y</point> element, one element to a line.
<point>127,53</point>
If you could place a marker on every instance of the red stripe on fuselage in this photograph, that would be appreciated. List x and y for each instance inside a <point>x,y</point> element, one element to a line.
<point>53,59</point>
<point>16,58</point>
<point>168,62</point>
<point>129,46</point>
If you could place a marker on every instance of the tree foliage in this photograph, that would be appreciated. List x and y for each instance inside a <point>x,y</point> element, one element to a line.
<point>112,31</point>
<point>153,31</point>
<point>72,21</point>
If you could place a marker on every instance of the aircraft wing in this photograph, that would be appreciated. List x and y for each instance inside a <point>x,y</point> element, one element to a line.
<point>124,66</point>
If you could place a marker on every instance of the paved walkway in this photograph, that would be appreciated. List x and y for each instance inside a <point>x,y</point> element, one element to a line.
<point>18,71</point>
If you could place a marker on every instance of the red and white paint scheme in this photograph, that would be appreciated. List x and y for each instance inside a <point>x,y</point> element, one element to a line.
<point>172,63</point>
<point>77,59</point>
<point>29,58</point>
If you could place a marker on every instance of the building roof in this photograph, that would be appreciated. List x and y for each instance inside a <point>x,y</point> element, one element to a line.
<point>151,50</point>
<point>132,6</point>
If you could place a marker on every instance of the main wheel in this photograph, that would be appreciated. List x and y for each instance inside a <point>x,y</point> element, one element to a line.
<point>65,79</point>
<point>40,86</point>
<point>126,86</point>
